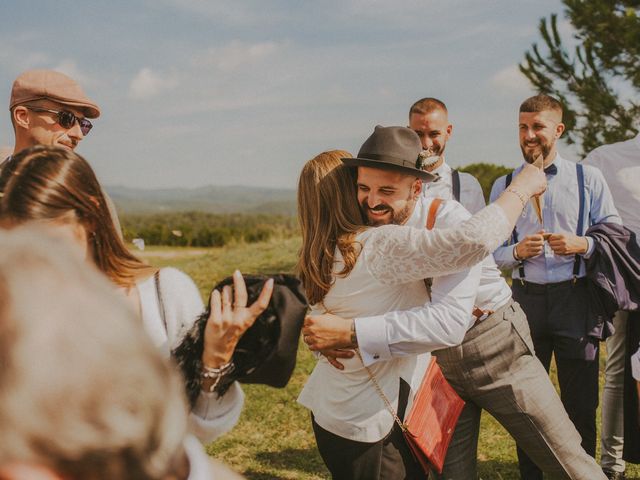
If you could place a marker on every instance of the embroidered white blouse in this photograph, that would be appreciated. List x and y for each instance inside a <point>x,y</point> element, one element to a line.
<point>388,275</point>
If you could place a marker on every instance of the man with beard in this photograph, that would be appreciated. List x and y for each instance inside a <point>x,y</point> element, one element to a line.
<point>428,117</point>
<point>489,360</point>
<point>548,268</point>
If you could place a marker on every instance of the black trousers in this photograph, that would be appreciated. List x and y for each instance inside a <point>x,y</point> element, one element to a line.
<point>557,319</point>
<point>387,459</point>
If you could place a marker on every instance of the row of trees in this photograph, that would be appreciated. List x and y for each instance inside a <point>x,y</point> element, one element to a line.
<point>199,229</point>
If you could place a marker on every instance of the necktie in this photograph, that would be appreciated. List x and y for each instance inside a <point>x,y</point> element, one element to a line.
<point>551,170</point>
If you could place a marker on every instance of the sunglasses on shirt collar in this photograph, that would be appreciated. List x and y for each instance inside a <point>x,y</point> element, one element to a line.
<point>66,119</point>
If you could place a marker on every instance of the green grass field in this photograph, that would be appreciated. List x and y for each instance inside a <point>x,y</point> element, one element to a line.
<point>273,439</point>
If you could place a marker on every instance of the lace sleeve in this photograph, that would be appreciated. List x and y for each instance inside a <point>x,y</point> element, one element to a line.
<point>396,254</point>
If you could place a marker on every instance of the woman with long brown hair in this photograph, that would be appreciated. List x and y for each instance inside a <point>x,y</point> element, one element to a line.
<point>353,271</point>
<point>58,188</point>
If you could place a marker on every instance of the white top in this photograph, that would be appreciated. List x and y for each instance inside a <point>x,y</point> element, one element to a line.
<point>620,166</point>
<point>211,416</point>
<point>203,467</point>
<point>471,196</point>
<point>445,320</point>
<point>199,465</point>
<point>388,275</point>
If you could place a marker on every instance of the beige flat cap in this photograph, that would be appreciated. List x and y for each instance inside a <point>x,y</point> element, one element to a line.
<point>49,84</point>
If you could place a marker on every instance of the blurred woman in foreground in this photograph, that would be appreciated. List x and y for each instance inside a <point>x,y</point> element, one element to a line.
<point>84,393</point>
<point>57,188</point>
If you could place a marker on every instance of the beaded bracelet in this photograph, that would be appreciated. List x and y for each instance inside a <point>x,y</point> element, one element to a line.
<point>217,373</point>
<point>518,194</point>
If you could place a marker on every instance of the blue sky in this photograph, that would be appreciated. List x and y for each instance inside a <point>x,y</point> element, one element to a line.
<point>199,92</point>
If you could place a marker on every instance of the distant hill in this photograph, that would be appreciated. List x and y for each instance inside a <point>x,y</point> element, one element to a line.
<point>211,199</point>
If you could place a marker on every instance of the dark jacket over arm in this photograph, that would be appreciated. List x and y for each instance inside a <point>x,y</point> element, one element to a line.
<point>614,281</point>
<point>613,271</point>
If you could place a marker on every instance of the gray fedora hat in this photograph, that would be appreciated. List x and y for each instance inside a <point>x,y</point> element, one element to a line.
<point>392,148</point>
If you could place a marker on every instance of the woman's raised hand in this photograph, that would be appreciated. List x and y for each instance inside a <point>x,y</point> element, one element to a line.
<point>228,321</point>
<point>530,181</point>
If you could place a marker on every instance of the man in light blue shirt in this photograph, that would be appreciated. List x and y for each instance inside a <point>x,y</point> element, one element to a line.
<point>546,255</point>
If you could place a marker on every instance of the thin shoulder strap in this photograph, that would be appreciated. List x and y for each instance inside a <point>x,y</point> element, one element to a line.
<point>431,221</point>
<point>507,181</point>
<point>579,227</point>
<point>433,210</point>
<point>455,183</point>
<point>163,315</point>
<point>386,401</point>
<point>372,377</point>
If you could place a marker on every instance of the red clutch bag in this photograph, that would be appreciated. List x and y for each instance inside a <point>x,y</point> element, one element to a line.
<point>432,419</point>
<point>430,423</point>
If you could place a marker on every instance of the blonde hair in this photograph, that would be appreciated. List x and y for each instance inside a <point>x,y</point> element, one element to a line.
<point>83,391</point>
<point>330,218</point>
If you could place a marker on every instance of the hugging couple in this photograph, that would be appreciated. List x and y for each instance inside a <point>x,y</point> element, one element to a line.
<point>365,256</point>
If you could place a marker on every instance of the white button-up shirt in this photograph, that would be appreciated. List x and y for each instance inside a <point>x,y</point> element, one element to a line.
<point>620,166</point>
<point>388,275</point>
<point>434,326</point>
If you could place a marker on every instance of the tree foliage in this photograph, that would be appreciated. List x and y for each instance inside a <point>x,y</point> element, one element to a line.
<point>200,229</point>
<point>486,174</point>
<point>598,80</point>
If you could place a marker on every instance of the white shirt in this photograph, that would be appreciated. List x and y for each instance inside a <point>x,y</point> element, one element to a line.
<point>445,320</point>
<point>471,196</point>
<point>211,416</point>
<point>203,467</point>
<point>388,275</point>
<point>620,166</point>
<point>200,467</point>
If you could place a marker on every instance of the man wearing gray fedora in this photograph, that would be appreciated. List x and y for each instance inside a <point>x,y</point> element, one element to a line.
<point>488,358</point>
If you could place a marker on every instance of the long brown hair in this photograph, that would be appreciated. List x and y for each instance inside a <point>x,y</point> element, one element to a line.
<point>329,217</point>
<point>49,183</point>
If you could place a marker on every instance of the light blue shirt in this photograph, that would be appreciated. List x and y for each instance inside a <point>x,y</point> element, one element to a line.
<point>560,215</point>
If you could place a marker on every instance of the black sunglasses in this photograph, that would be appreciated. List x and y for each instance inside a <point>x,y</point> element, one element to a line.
<point>67,119</point>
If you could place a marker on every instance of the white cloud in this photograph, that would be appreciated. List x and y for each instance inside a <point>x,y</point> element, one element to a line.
<point>512,80</point>
<point>148,83</point>
<point>234,55</point>
<point>69,67</point>
<point>17,61</point>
